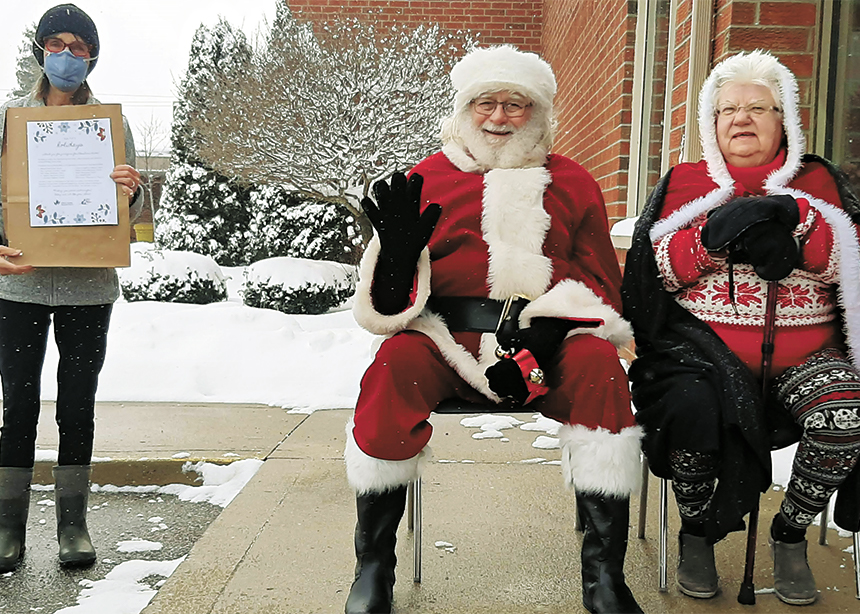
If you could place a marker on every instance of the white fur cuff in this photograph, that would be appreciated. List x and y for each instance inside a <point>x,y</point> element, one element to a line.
<point>573,299</point>
<point>367,474</point>
<point>363,310</point>
<point>598,461</point>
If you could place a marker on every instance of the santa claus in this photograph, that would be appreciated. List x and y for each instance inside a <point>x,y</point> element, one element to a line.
<point>493,277</point>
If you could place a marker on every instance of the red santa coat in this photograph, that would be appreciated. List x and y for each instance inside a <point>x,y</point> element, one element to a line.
<point>540,232</point>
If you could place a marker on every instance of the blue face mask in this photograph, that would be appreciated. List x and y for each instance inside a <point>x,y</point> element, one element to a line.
<point>65,71</point>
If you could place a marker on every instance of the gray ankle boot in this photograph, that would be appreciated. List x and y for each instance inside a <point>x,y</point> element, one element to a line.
<point>14,508</point>
<point>793,582</point>
<point>72,492</point>
<point>697,570</point>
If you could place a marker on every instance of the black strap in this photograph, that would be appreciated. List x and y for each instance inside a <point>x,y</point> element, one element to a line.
<point>473,314</point>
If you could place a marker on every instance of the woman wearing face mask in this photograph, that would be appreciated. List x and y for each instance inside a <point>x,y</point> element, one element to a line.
<point>78,300</point>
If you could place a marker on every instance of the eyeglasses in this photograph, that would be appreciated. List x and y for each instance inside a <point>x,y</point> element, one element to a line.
<point>57,45</point>
<point>755,109</point>
<point>487,106</point>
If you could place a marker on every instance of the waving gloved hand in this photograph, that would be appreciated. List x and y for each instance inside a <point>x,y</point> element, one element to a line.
<point>757,230</point>
<point>404,231</point>
<point>542,338</point>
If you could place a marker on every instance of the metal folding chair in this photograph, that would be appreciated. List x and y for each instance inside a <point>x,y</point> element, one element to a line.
<point>413,498</point>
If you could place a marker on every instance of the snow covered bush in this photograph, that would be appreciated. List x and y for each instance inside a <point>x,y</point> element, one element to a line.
<point>289,224</point>
<point>298,285</point>
<point>171,277</point>
<point>203,212</point>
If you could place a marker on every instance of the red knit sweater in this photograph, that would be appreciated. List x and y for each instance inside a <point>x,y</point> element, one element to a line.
<point>806,315</point>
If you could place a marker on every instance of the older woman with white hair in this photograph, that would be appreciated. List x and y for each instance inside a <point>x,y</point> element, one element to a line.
<point>743,287</point>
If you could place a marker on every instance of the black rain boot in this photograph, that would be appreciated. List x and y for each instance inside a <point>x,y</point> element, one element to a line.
<point>375,537</point>
<point>604,545</point>
<point>72,492</point>
<point>14,508</point>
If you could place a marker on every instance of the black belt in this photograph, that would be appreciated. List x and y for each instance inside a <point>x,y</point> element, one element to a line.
<point>478,315</point>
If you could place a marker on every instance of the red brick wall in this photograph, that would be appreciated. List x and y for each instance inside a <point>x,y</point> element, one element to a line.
<point>786,28</point>
<point>590,46</point>
<point>517,23</point>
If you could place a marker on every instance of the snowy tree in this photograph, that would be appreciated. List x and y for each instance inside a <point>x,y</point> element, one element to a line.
<point>330,113</point>
<point>202,210</point>
<point>291,224</point>
<point>27,69</point>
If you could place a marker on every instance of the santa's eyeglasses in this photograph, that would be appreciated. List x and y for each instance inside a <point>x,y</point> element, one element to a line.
<point>56,45</point>
<point>487,106</point>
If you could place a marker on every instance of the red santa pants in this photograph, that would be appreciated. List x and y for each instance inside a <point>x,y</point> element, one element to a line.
<point>409,377</point>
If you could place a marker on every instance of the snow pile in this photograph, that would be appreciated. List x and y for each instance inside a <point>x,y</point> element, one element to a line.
<point>171,276</point>
<point>122,591</point>
<point>221,483</point>
<point>138,545</point>
<point>298,285</point>
<point>491,425</point>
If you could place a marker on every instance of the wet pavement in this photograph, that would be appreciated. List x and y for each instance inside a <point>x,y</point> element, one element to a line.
<point>41,585</point>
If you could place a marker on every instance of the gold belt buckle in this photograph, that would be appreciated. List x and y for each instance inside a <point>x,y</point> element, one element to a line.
<point>506,309</point>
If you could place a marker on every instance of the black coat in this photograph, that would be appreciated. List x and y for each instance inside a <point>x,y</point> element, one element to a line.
<point>670,340</point>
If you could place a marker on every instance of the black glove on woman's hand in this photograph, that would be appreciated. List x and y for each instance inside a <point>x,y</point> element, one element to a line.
<point>403,232</point>
<point>756,230</point>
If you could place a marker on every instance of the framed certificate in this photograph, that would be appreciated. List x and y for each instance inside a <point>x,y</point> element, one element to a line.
<point>60,206</point>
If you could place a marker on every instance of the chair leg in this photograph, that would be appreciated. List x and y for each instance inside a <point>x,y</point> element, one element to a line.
<point>664,536</point>
<point>410,506</point>
<point>643,499</point>
<point>857,564</point>
<point>416,532</point>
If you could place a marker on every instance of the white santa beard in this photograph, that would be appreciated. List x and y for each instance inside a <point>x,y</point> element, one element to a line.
<point>521,149</point>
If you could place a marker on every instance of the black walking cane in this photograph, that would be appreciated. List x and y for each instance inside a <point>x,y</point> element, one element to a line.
<point>746,595</point>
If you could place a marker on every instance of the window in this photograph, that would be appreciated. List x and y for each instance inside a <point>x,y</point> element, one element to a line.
<point>838,137</point>
<point>649,100</point>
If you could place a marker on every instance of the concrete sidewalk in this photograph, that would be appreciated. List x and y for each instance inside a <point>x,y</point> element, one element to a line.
<point>284,545</point>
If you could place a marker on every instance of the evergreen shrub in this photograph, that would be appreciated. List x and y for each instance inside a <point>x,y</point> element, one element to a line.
<point>172,277</point>
<point>298,285</point>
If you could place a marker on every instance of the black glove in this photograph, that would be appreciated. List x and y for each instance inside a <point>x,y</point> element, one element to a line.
<point>542,338</point>
<point>403,232</point>
<point>756,230</point>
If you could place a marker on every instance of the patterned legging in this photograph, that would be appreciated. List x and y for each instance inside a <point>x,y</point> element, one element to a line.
<point>823,396</point>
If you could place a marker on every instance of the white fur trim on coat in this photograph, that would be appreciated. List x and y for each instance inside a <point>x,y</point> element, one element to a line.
<point>363,310</point>
<point>466,365</point>
<point>573,299</point>
<point>514,225</point>
<point>601,462</point>
<point>367,474</point>
<point>847,250</point>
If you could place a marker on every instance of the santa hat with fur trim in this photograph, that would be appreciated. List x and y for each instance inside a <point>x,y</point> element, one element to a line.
<point>502,68</point>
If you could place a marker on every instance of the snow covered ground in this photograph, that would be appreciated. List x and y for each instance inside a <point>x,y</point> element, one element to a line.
<point>228,353</point>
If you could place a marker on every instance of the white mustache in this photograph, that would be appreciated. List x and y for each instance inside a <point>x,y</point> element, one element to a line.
<point>488,126</point>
